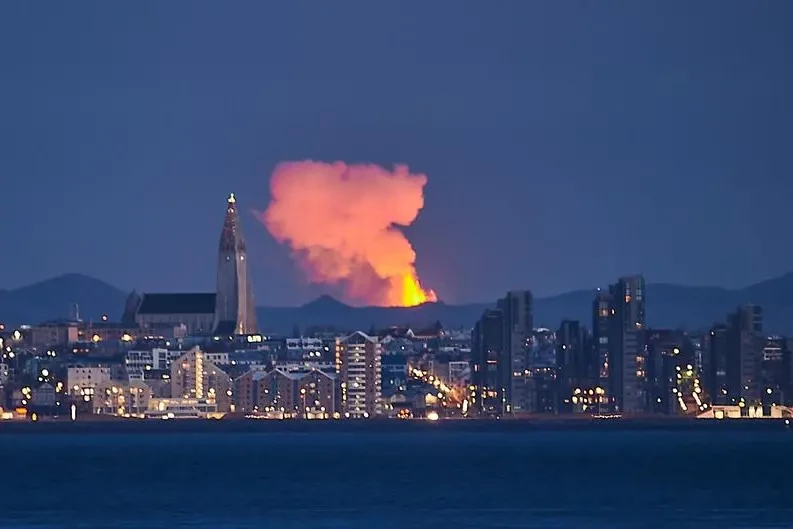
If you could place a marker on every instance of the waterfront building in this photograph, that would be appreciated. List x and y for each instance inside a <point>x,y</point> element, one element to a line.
<point>183,408</point>
<point>358,365</point>
<point>81,378</point>
<point>674,384</point>
<point>715,359</point>
<point>734,358</point>
<point>602,313</point>
<point>745,354</point>
<point>626,369</point>
<point>5,374</point>
<point>245,389</point>
<point>45,398</point>
<point>319,394</point>
<point>517,309</point>
<point>777,369</point>
<point>122,398</point>
<point>193,375</point>
<point>276,392</point>
<point>288,392</point>
<point>575,362</point>
<point>491,374</point>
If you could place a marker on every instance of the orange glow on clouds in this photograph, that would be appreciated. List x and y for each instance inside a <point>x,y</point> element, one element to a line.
<point>341,222</point>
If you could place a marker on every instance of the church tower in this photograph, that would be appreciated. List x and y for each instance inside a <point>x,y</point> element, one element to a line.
<point>235,312</point>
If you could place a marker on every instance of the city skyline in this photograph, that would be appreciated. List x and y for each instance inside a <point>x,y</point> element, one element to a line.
<point>323,264</point>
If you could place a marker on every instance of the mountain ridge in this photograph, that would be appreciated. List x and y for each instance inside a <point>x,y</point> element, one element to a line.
<point>668,305</point>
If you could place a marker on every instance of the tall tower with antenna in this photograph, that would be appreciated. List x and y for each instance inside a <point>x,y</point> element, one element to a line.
<point>235,312</point>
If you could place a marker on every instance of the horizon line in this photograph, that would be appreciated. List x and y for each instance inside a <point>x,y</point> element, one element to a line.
<point>440,301</point>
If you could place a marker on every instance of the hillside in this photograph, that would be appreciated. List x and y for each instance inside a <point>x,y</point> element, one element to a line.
<point>667,306</point>
<point>53,299</point>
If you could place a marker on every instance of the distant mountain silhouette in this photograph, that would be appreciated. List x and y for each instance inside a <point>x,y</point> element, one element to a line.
<point>327,311</point>
<point>667,306</point>
<point>53,298</point>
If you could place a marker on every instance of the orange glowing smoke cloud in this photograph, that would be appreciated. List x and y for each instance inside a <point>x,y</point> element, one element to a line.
<point>341,222</point>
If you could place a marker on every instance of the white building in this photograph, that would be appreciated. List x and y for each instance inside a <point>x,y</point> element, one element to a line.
<point>182,408</point>
<point>44,396</point>
<point>138,361</point>
<point>143,360</point>
<point>358,363</point>
<point>80,378</point>
<point>303,347</point>
<point>124,399</point>
<point>193,375</point>
<point>459,373</point>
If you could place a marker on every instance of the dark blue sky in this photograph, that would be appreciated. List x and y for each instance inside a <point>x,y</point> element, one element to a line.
<point>566,143</point>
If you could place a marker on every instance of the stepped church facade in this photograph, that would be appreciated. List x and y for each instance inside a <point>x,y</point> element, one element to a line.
<point>228,311</point>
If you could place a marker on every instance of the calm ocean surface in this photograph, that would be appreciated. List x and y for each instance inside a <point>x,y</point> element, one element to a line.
<point>431,478</point>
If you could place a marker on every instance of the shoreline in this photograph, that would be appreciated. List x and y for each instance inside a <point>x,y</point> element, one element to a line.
<point>388,426</point>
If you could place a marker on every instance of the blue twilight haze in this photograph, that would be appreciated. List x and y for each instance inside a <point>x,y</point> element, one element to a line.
<point>565,143</point>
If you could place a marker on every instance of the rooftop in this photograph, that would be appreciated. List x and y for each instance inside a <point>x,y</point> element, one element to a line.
<point>177,304</point>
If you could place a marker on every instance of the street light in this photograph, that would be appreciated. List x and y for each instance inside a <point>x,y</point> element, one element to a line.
<point>600,392</point>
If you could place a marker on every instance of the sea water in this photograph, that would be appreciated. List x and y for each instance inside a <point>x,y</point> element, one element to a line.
<point>372,479</point>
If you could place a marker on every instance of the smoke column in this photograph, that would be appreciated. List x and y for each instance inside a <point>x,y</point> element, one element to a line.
<point>341,222</point>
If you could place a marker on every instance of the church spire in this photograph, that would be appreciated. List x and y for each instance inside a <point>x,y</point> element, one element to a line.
<point>231,237</point>
<point>234,307</point>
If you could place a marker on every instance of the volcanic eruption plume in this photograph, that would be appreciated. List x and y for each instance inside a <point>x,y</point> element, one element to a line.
<point>341,222</point>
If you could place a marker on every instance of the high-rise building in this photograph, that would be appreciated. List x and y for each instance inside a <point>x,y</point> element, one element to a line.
<point>745,353</point>
<point>518,320</point>
<point>671,374</point>
<point>627,375</point>
<point>776,378</point>
<point>602,312</point>
<point>715,364</point>
<point>734,358</point>
<point>539,391</point>
<point>577,366</point>
<point>491,374</point>
<point>358,364</point>
<point>235,312</point>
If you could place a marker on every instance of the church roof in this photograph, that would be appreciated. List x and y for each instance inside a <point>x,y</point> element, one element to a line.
<point>177,304</point>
